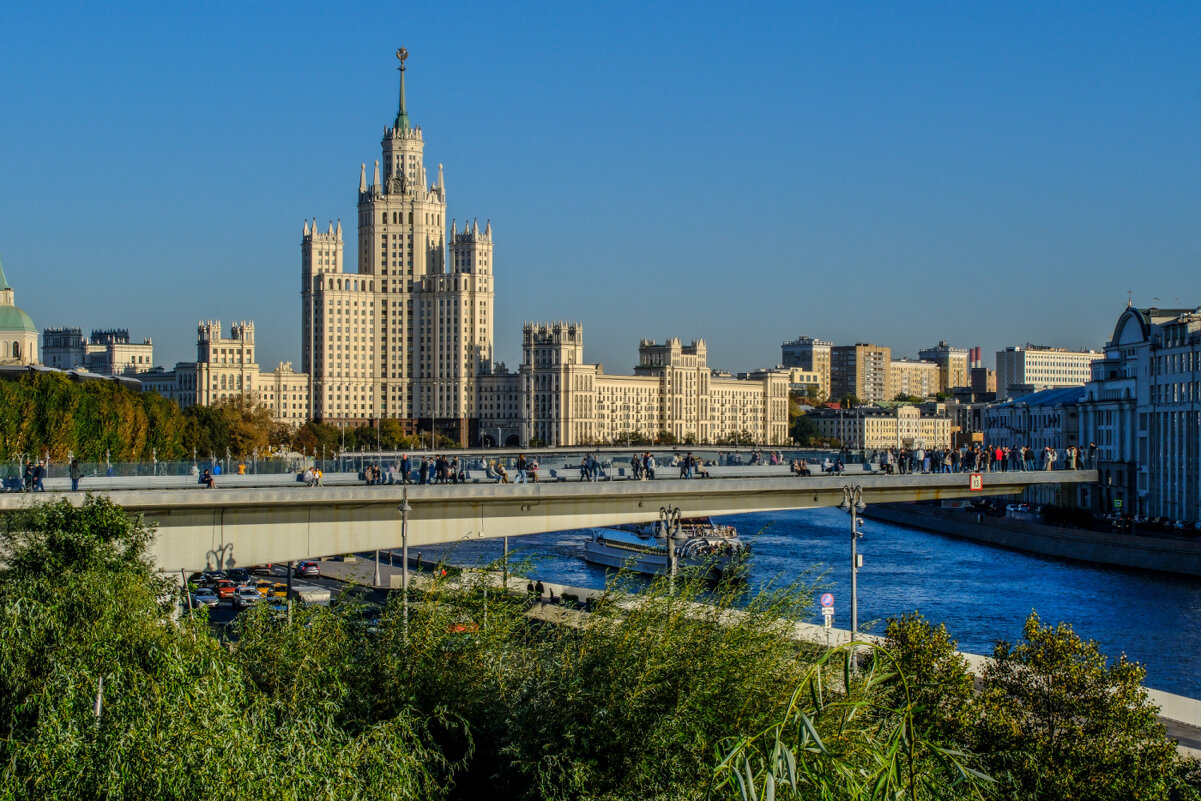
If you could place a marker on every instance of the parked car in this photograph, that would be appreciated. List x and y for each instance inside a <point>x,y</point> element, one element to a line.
<point>307,569</point>
<point>205,596</point>
<point>246,596</point>
<point>226,589</point>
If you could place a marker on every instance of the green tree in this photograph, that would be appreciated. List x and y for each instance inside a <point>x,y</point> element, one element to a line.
<point>85,617</point>
<point>849,401</point>
<point>1061,721</point>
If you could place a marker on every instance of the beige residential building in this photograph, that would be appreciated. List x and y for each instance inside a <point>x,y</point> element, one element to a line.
<point>860,370</point>
<point>18,337</point>
<point>912,379</point>
<point>1037,367</point>
<point>952,365</point>
<point>800,381</point>
<point>877,428</point>
<point>557,399</point>
<point>812,356</point>
<point>225,367</point>
<point>407,334</point>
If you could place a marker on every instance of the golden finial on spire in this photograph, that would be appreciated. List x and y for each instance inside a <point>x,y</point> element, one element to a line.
<point>402,54</point>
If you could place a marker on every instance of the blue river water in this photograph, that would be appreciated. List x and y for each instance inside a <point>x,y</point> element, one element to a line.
<point>982,594</point>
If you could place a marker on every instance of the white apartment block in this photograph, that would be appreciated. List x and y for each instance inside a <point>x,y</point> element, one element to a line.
<point>225,367</point>
<point>1036,367</point>
<point>407,334</point>
<point>557,399</point>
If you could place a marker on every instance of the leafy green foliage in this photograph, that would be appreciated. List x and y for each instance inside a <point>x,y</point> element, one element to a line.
<point>94,420</point>
<point>1053,718</point>
<point>846,734</point>
<point>83,616</point>
<point>468,692</point>
<point>1054,699</point>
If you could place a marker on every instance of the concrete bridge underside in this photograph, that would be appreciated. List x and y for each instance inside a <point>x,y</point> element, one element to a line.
<point>224,528</point>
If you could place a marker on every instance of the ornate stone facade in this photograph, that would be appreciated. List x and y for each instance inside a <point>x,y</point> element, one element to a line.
<point>557,399</point>
<point>407,335</point>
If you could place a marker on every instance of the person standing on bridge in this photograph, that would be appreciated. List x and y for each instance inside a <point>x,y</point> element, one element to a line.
<point>76,473</point>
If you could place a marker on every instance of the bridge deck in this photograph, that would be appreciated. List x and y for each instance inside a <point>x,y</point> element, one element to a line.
<point>200,528</point>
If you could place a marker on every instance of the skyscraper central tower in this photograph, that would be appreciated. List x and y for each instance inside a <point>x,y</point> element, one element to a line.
<point>405,336</point>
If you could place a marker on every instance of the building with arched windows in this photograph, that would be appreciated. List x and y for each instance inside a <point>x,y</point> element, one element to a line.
<point>18,337</point>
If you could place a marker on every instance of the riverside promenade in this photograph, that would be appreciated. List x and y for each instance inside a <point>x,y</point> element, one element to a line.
<point>1174,555</point>
<point>1180,715</point>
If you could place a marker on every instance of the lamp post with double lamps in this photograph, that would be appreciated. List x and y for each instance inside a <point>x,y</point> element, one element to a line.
<point>404,510</point>
<point>852,502</point>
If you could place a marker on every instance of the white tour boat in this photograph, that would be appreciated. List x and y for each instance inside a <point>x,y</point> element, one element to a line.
<point>643,548</point>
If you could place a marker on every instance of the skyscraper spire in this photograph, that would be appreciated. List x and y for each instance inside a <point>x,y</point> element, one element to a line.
<point>402,117</point>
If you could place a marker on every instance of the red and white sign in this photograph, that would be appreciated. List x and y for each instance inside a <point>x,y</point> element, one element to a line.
<point>976,482</point>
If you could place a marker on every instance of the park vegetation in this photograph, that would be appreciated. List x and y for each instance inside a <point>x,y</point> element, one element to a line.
<point>674,692</point>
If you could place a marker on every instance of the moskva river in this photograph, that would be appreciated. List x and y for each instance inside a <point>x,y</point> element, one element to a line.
<point>982,594</point>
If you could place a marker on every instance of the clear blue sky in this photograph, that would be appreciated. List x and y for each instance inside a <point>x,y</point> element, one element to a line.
<point>989,174</point>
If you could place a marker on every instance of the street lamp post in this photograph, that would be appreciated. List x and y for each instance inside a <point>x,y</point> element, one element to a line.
<point>404,510</point>
<point>852,502</point>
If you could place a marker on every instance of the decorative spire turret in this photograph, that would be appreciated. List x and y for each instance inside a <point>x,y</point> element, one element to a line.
<point>362,177</point>
<point>375,180</point>
<point>402,117</point>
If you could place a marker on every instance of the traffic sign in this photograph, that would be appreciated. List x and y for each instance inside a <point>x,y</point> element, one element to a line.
<point>827,599</point>
<point>828,623</point>
<point>1117,503</point>
<point>976,482</point>
<point>828,611</point>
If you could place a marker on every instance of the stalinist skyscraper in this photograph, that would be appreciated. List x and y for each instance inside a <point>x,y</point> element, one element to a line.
<point>407,334</point>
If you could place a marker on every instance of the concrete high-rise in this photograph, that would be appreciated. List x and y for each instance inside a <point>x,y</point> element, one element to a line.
<point>952,365</point>
<point>407,334</point>
<point>812,356</point>
<point>860,370</point>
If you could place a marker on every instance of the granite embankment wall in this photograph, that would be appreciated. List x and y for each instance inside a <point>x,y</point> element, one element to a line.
<point>1162,554</point>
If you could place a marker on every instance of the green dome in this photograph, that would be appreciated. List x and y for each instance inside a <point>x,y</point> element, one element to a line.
<point>13,319</point>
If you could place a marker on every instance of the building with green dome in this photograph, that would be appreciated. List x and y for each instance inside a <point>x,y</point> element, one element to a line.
<point>18,337</point>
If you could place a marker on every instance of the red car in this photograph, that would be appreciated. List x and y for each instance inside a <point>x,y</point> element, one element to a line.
<point>225,589</point>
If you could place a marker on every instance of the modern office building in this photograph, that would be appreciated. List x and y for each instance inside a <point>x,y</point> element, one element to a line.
<point>1034,367</point>
<point>952,365</point>
<point>812,356</point>
<point>557,399</point>
<point>407,334</point>
<point>860,370</point>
